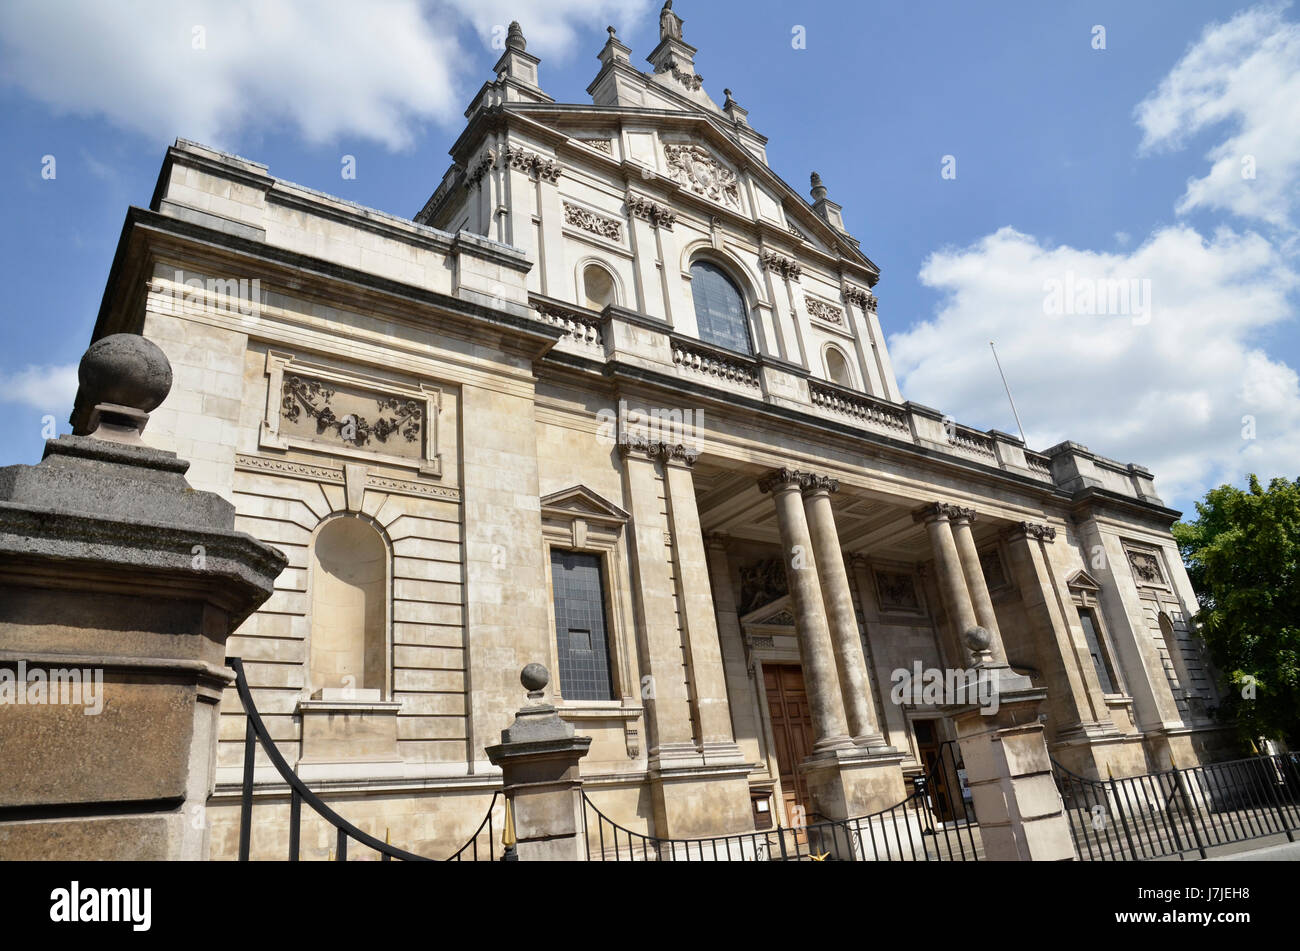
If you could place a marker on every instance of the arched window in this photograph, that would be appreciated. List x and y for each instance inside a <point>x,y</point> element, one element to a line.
<point>719,308</point>
<point>597,287</point>
<point>349,607</point>
<point>837,367</point>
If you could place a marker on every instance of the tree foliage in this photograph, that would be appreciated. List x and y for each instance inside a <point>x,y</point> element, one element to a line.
<point>1243,556</point>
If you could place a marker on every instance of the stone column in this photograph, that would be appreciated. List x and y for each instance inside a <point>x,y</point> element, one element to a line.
<point>697,614</point>
<point>855,682</point>
<point>948,571</point>
<point>816,651</point>
<point>698,777</point>
<point>743,693</point>
<point>668,716</point>
<point>960,520</point>
<point>843,780</point>
<point>538,755</point>
<point>124,582</point>
<point>1074,693</point>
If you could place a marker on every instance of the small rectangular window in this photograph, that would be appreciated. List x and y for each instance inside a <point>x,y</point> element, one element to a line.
<point>579,592</point>
<point>1100,658</point>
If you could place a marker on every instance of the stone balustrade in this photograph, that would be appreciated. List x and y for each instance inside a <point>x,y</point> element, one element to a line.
<point>580,327</point>
<point>875,413</point>
<point>696,358</point>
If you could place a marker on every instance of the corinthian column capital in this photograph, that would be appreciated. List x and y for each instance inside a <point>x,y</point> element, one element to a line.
<point>819,483</point>
<point>943,511</point>
<point>1035,531</point>
<point>779,478</point>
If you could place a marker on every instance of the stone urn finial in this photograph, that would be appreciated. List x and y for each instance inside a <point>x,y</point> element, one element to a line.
<point>124,377</point>
<point>515,37</point>
<point>978,639</point>
<point>818,189</point>
<point>534,677</point>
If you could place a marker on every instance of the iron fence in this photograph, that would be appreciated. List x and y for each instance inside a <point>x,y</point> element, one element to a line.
<point>906,832</point>
<point>345,832</point>
<point>1180,811</point>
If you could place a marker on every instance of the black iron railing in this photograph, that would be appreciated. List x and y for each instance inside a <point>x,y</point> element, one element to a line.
<point>345,831</point>
<point>905,832</point>
<point>1181,811</point>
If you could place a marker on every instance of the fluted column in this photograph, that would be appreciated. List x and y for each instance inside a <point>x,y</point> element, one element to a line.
<point>948,570</point>
<point>978,588</point>
<point>855,683</point>
<point>816,650</point>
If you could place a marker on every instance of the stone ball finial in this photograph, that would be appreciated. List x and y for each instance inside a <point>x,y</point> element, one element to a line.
<point>515,37</point>
<point>978,639</point>
<point>534,677</point>
<point>124,370</point>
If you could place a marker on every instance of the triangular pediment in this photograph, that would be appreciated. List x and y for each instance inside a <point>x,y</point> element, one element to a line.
<point>1081,579</point>
<point>581,502</point>
<point>778,614</point>
<point>708,131</point>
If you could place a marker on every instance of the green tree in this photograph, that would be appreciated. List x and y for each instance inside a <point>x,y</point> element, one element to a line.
<point>1243,556</point>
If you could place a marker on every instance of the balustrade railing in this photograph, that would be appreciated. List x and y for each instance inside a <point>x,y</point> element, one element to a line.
<point>700,359</point>
<point>866,409</point>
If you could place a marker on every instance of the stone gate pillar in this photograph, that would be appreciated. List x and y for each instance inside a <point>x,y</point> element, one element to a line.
<point>119,585</point>
<point>538,755</point>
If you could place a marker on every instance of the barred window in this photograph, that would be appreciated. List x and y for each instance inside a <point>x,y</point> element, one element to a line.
<point>719,308</point>
<point>579,592</point>
<point>1100,657</point>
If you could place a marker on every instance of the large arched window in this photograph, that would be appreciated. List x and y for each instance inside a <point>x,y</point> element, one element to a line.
<point>719,308</point>
<point>349,607</point>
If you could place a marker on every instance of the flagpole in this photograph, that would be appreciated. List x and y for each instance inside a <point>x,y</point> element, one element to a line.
<point>1007,387</point>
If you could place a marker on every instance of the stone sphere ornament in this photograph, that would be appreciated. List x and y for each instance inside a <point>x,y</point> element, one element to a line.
<point>978,639</point>
<point>125,370</point>
<point>534,677</point>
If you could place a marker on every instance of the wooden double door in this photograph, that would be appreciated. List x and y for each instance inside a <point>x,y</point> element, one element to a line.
<point>792,733</point>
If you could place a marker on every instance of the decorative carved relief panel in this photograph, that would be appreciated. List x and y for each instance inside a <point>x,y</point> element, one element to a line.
<point>696,168</point>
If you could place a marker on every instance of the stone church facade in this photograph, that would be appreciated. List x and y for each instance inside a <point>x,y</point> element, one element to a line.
<point>618,401</point>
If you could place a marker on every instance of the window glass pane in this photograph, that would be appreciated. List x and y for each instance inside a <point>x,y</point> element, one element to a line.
<point>1099,659</point>
<point>580,626</point>
<point>719,308</point>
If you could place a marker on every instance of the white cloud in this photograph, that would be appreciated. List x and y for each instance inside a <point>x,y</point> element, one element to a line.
<point>1170,393</point>
<point>1244,74</point>
<point>549,27</point>
<point>332,68</point>
<point>1180,392</point>
<point>47,389</point>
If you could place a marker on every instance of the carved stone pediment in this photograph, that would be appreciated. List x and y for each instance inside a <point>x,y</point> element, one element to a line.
<point>1083,581</point>
<point>581,502</point>
<point>775,614</point>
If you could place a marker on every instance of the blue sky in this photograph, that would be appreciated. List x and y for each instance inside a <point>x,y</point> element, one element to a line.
<point>1060,170</point>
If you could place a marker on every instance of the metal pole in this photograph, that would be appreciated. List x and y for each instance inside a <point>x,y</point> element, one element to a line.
<point>1007,387</point>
